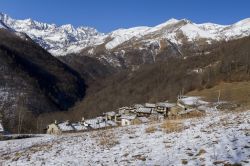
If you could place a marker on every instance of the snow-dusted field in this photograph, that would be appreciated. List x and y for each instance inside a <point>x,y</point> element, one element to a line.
<point>216,139</point>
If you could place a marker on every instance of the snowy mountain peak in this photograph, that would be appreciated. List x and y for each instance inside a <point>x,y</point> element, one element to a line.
<point>65,39</point>
<point>187,21</point>
<point>168,22</point>
<point>3,16</point>
<point>172,20</point>
<point>172,29</point>
<point>68,27</point>
<point>244,22</point>
<point>58,40</point>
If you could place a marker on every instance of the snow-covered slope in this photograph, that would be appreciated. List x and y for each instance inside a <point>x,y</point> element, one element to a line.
<point>171,29</point>
<point>216,139</point>
<point>61,40</point>
<point>145,45</point>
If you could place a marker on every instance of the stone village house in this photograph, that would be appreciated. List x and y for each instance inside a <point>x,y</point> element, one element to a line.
<point>127,120</point>
<point>84,125</point>
<point>164,108</point>
<point>65,127</point>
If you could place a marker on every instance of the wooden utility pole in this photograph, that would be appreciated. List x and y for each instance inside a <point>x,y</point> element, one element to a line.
<point>219,97</point>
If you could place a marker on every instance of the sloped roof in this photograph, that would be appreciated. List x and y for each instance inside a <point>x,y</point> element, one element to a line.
<point>103,124</point>
<point>150,105</point>
<point>144,110</point>
<point>111,123</point>
<point>94,120</point>
<point>97,123</point>
<point>123,108</point>
<point>65,126</point>
<point>112,113</point>
<point>128,117</point>
<point>79,126</point>
<point>165,104</point>
<point>138,105</point>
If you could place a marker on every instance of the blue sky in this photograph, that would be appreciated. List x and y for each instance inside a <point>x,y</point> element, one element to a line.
<point>107,15</point>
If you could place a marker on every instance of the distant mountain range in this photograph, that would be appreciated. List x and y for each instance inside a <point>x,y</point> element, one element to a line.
<point>61,40</point>
<point>58,40</point>
<point>115,48</point>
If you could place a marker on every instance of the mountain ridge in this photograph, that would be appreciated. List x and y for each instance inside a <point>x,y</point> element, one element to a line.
<point>66,39</point>
<point>50,36</point>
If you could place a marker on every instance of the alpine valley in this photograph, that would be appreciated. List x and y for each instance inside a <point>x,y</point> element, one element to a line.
<point>48,70</point>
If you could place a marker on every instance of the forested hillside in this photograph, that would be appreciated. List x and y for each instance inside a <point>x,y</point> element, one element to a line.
<point>33,82</point>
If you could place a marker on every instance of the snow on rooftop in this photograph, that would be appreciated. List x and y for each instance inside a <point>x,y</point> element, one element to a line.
<point>165,104</point>
<point>112,113</point>
<point>65,126</point>
<point>111,123</point>
<point>79,126</point>
<point>138,106</point>
<point>151,105</point>
<point>97,123</point>
<point>102,125</point>
<point>144,110</point>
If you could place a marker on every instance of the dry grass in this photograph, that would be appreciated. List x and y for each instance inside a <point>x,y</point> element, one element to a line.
<point>136,122</point>
<point>201,152</point>
<point>235,92</point>
<point>107,139</point>
<point>184,161</point>
<point>150,129</point>
<point>193,114</point>
<point>140,157</point>
<point>172,126</point>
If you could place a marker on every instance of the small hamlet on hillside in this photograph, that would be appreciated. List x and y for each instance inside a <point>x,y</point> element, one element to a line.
<point>135,114</point>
